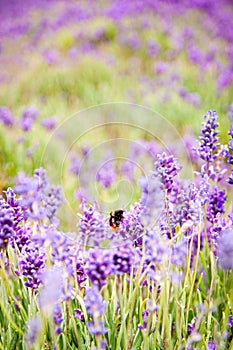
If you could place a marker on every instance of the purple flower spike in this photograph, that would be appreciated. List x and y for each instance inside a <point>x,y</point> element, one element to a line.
<point>94,302</point>
<point>32,264</point>
<point>99,266</point>
<point>225,249</point>
<point>57,314</point>
<point>166,168</point>
<point>50,123</point>
<point>209,138</point>
<point>29,115</point>
<point>211,345</point>
<point>6,117</point>
<point>7,224</point>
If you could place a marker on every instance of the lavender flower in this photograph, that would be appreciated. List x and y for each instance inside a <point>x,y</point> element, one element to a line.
<point>225,249</point>
<point>99,266</point>
<point>106,175</point>
<point>39,199</point>
<point>97,329</point>
<point>230,321</point>
<point>131,226</point>
<point>79,314</point>
<point>32,264</point>
<point>208,144</point>
<point>7,224</point>
<point>143,327</point>
<point>152,199</point>
<point>57,314</point>
<point>94,302</point>
<point>211,345</point>
<point>92,225</point>
<point>33,329</point>
<point>216,203</point>
<point>50,123</point>
<point>6,117</point>
<point>122,260</point>
<point>166,168</point>
<point>28,117</point>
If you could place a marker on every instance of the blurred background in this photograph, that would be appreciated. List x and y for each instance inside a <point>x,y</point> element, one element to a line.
<point>58,58</point>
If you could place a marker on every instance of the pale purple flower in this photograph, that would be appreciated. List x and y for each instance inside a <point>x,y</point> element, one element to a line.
<point>50,123</point>
<point>33,329</point>
<point>106,175</point>
<point>6,117</point>
<point>51,291</point>
<point>7,224</point>
<point>57,314</point>
<point>160,67</point>
<point>32,264</point>
<point>216,201</point>
<point>225,249</point>
<point>28,117</point>
<point>152,199</point>
<point>166,169</point>
<point>94,302</point>
<point>208,143</point>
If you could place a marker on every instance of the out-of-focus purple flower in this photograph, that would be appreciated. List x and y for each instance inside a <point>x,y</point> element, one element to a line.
<point>216,203</point>
<point>99,266</point>
<point>79,314</point>
<point>131,225</point>
<point>94,302</point>
<point>106,175</point>
<point>208,143</point>
<point>152,47</point>
<point>92,225</point>
<point>230,179</point>
<point>75,165</point>
<point>97,329</point>
<point>145,315</point>
<point>230,112</point>
<point>191,327</point>
<point>32,264</point>
<point>195,55</point>
<point>152,199</point>
<point>179,252</point>
<point>211,345</point>
<point>7,224</point>
<point>29,115</point>
<point>50,123</point>
<point>225,249</point>
<point>33,329</point>
<point>122,260</point>
<point>57,314</point>
<point>230,321</point>
<point>191,97</point>
<point>52,198</point>
<point>156,247</point>
<point>160,67</point>
<point>166,168</point>
<point>127,169</point>
<point>52,289</point>
<point>50,56</point>
<point>6,117</point>
<point>39,199</point>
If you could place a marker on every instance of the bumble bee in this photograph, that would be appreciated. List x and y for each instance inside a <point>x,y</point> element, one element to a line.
<point>115,219</point>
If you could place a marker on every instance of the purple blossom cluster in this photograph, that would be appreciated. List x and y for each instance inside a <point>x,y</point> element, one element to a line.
<point>39,199</point>
<point>209,144</point>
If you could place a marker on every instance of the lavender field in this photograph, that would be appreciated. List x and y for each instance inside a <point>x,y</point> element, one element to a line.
<point>116,174</point>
